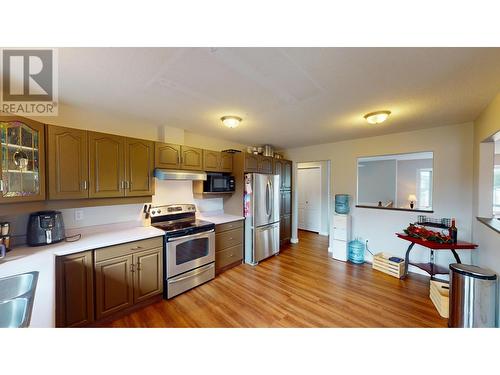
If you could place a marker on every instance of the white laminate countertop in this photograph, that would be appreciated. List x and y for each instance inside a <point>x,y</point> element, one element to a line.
<point>218,217</point>
<point>42,259</point>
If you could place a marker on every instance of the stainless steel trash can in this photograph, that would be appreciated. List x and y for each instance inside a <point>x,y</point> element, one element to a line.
<point>473,296</point>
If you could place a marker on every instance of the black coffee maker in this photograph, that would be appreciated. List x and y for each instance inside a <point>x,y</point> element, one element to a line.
<point>45,227</point>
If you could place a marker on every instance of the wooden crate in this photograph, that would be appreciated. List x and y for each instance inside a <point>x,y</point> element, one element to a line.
<point>439,293</point>
<point>382,263</point>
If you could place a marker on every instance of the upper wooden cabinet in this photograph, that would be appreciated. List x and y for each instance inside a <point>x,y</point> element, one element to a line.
<point>212,161</point>
<point>283,168</point>
<point>251,163</point>
<point>22,160</point>
<point>68,163</point>
<point>215,161</point>
<point>191,158</point>
<point>139,166</point>
<point>167,155</point>
<point>265,164</point>
<point>226,162</point>
<point>107,165</point>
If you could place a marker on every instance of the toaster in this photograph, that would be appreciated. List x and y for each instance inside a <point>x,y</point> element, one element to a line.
<point>45,227</point>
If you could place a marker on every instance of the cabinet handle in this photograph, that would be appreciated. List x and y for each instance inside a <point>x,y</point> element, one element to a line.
<point>127,184</point>
<point>132,267</point>
<point>138,266</point>
<point>1,185</point>
<point>136,248</point>
<point>179,158</point>
<point>84,185</point>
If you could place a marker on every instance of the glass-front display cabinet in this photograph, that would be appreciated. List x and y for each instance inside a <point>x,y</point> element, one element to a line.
<point>22,167</point>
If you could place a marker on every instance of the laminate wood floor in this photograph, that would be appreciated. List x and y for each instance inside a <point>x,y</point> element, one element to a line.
<point>301,287</point>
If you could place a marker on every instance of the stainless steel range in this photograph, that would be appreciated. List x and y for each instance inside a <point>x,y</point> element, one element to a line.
<point>189,247</point>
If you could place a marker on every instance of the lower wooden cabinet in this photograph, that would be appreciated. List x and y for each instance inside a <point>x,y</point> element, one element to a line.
<point>285,229</point>
<point>74,290</point>
<point>96,284</point>
<point>228,245</point>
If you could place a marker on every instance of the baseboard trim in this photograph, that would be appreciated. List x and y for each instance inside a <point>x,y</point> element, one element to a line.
<point>294,240</point>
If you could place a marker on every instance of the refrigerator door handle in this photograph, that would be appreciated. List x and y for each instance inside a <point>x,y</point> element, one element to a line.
<point>268,199</point>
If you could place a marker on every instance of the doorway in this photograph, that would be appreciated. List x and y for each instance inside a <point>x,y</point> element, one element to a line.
<point>309,199</point>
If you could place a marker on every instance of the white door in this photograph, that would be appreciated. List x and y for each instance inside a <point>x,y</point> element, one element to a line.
<point>309,203</point>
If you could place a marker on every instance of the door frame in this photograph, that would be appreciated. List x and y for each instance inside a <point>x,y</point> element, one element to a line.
<point>322,164</point>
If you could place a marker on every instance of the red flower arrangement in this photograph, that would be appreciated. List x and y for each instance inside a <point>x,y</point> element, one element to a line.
<point>425,234</point>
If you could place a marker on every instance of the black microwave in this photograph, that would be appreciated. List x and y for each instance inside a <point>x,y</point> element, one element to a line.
<point>218,183</point>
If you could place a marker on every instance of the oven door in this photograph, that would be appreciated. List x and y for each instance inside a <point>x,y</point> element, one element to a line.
<point>189,252</point>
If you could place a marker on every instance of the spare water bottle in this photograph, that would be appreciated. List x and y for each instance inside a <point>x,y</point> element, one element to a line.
<point>356,251</point>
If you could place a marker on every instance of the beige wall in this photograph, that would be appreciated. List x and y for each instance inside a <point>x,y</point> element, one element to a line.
<point>452,195</point>
<point>486,125</point>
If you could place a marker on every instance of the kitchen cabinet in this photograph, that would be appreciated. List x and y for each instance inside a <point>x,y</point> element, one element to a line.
<point>114,285</point>
<point>215,161</point>
<point>74,290</point>
<point>286,202</point>
<point>127,274</point>
<point>22,160</point>
<point>139,167</point>
<point>212,161</point>
<point>67,163</point>
<point>148,274</point>
<point>265,164</point>
<point>226,162</point>
<point>167,155</point>
<point>191,158</point>
<point>285,229</point>
<point>228,245</point>
<point>283,168</point>
<point>107,165</point>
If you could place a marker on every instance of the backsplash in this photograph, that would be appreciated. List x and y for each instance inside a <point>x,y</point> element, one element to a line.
<point>167,192</point>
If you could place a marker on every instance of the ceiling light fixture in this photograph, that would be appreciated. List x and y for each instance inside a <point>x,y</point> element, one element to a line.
<point>231,121</point>
<point>377,117</point>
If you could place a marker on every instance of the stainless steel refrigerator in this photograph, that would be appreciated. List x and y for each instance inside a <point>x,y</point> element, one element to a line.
<point>262,212</point>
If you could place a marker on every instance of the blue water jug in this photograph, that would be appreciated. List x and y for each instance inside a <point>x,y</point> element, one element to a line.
<point>356,251</point>
<point>342,203</point>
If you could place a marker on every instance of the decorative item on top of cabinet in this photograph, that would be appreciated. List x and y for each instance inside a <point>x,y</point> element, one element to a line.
<point>107,165</point>
<point>22,160</point>
<point>67,163</point>
<point>139,167</point>
<point>74,290</point>
<point>167,155</point>
<point>228,245</point>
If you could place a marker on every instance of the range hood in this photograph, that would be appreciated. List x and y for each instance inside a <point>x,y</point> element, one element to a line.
<point>169,174</point>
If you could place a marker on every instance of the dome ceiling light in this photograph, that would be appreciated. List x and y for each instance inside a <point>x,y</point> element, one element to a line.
<point>231,121</point>
<point>377,117</point>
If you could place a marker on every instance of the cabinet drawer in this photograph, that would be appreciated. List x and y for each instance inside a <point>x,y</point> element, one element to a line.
<point>110,252</point>
<point>228,256</point>
<point>228,226</point>
<point>228,239</point>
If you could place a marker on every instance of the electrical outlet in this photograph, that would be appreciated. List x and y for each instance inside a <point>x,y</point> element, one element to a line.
<point>78,215</point>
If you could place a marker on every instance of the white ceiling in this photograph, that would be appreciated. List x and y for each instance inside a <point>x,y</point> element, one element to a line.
<point>286,96</point>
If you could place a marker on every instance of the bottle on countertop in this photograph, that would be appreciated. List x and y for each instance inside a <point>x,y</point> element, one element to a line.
<point>453,232</point>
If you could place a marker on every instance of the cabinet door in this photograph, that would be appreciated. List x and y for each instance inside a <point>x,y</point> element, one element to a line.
<point>251,163</point>
<point>278,169</point>
<point>68,163</point>
<point>139,166</point>
<point>114,285</point>
<point>266,164</point>
<point>74,290</point>
<point>286,203</point>
<point>285,229</point>
<point>211,161</point>
<point>287,175</point>
<point>148,276</point>
<point>226,162</point>
<point>191,158</point>
<point>22,160</point>
<point>167,155</point>
<point>107,165</point>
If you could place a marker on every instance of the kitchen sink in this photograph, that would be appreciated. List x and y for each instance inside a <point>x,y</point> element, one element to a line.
<point>16,299</point>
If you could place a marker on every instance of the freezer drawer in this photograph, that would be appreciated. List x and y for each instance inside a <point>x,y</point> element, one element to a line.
<point>266,241</point>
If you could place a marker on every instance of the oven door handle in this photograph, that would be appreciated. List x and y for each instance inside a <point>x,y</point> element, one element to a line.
<point>190,236</point>
<point>199,271</point>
